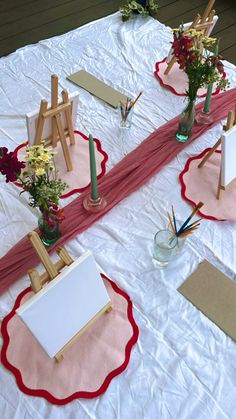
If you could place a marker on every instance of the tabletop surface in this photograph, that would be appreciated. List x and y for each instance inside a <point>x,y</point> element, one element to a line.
<point>183,365</point>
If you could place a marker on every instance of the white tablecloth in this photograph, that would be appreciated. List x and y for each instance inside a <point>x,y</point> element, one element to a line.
<point>183,366</point>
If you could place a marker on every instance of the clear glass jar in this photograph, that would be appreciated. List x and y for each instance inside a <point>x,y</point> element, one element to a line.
<point>165,243</point>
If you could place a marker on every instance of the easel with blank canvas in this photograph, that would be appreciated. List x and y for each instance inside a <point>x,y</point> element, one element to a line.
<point>224,178</point>
<point>56,114</point>
<point>206,23</point>
<point>68,304</point>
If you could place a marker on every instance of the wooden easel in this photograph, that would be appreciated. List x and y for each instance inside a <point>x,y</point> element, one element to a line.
<point>231,121</point>
<point>203,23</point>
<point>55,113</point>
<point>52,270</point>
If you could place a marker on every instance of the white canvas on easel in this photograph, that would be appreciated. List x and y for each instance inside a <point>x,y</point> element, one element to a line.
<point>228,154</point>
<point>65,305</point>
<point>32,117</point>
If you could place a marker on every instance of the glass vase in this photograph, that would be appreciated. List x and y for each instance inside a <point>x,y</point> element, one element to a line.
<point>164,244</point>
<point>49,229</point>
<point>186,122</point>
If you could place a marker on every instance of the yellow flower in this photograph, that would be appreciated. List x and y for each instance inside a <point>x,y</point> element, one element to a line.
<point>45,157</point>
<point>39,171</point>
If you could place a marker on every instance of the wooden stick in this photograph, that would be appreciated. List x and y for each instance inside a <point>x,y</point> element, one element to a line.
<point>35,279</point>
<point>209,153</point>
<point>106,308</point>
<point>207,10</point>
<point>64,145</point>
<point>54,112</point>
<point>230,120</point>
<point>171,224</point>
<point>40,122</point>
<point>68,115</point>
<point>210,22</point>
<point>43,254</point>
<point>174,220</point>
<point>54,104</point>
<point>133,103</point>
<point>62,253</point>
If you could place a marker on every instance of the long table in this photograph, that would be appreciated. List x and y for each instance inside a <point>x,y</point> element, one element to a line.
<point>172,371</point>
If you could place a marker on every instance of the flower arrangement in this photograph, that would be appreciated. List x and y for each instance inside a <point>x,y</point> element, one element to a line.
<point>193,51</point>
<point>38,176</point>
<point>143,7</point>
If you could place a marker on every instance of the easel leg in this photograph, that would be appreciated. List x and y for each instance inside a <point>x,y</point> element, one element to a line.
<point>36,284</point>
<point>64,144</point>
<point>170,65</point>
<point>40,122</point>
<point>219,187</point>
<point>210,152</point>
<point>54,104</point>
<point>109,309</point>
<point>59,358</point>
<point>68,115</point>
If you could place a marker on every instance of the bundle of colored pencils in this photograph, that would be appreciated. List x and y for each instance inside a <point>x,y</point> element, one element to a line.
<point>185,228</point>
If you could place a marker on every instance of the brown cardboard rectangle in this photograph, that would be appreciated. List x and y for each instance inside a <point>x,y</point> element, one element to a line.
<point>97,87</point>
<point>214,294</point>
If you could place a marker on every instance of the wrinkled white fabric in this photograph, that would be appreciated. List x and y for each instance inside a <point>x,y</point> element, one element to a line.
<point>183,366</point>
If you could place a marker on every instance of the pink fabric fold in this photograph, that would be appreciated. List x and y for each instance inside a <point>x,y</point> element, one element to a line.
<point>126,177</point>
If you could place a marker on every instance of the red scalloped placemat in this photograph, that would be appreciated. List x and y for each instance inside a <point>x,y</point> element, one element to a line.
<point>98,355</point>
<point>177,80</point>
<point>79,178</point>
<point>200,184</point>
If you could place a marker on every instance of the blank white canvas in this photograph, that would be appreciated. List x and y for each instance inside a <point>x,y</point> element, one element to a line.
<point>228,156</point>
<point>62,308</point>
<point>32,117</point>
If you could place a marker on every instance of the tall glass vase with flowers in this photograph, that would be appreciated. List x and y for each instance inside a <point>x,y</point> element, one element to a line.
<point>193,51</point>
<point>37,175</point>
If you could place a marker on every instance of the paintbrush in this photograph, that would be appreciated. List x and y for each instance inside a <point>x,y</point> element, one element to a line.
<point>171,224</point>
<point>133,102</point>
<point>198,206</point>
<point>174,220</point>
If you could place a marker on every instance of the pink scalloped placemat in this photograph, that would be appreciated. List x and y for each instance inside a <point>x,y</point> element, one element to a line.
<point>79,178</point>
<point>98,355</point>
<point>200,184</point>
<point>177,80</point>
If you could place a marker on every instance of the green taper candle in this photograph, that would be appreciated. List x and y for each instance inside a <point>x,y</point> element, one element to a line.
<point>206,107</point>
<point>93,174</point>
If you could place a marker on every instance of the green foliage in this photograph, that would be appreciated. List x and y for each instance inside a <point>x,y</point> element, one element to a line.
<point>132,7</point>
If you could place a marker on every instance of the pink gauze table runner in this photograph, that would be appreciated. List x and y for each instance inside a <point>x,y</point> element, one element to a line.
<point>124,178</point>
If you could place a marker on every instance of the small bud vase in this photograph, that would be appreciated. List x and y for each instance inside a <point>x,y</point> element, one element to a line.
<point>49,229</point>
<point>186,122</point>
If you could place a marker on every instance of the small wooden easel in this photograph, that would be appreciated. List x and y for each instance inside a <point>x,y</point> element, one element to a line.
<point>203,23</point>
<point>52,270</point>
<point>231,121</point>
<point>55,113</point>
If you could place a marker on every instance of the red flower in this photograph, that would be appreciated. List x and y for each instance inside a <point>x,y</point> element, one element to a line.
<point>10,166</point>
